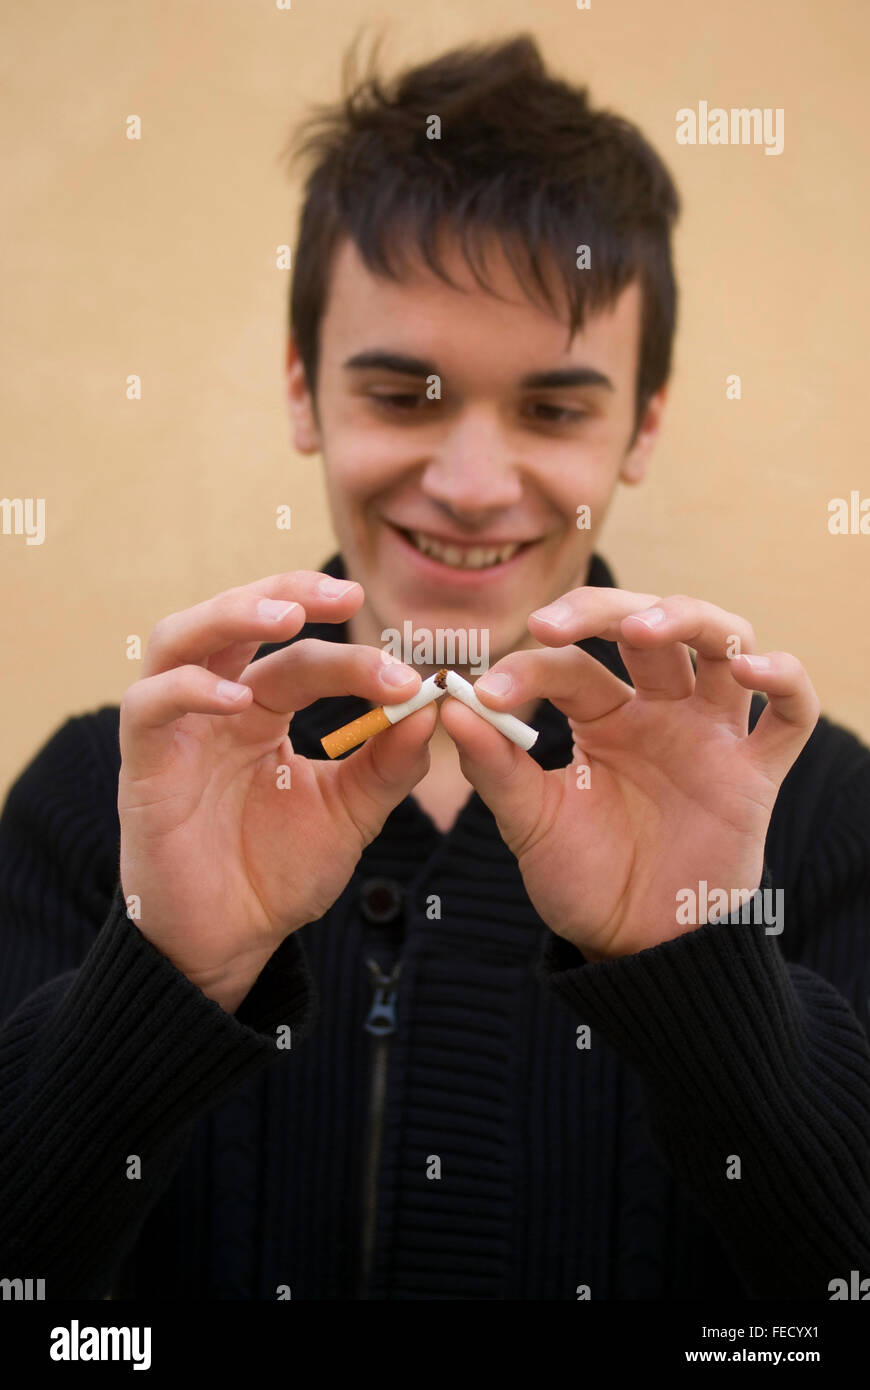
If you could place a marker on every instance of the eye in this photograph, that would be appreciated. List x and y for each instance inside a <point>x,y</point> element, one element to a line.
<point>556,414</point>
<point>404,401</point>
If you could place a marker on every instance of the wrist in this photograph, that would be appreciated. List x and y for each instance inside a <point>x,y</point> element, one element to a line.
<point>230,986</point>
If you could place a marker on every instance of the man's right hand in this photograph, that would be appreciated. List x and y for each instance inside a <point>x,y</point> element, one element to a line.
<point>225,860</point>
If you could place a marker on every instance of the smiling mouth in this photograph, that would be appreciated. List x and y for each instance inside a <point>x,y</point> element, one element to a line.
<point>467,557</point>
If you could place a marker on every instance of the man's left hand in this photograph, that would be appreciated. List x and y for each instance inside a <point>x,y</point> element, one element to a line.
<point>675,790</point>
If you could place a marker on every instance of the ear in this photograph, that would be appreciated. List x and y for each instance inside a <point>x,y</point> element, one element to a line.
<point>303,412</point>
<point>634,464</point>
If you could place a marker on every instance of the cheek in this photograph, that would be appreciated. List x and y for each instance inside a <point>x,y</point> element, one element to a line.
<point>589,476</point>
<point>363,466</point>
<point>582,496</point>
<point>352,485</point>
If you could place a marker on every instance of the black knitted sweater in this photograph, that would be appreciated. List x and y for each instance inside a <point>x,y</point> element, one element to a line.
<point>441,1132</point>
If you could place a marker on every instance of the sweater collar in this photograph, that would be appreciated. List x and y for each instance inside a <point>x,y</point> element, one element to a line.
<point>554,744</point>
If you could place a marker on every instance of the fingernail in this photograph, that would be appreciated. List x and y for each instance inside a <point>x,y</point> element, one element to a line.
<point>757,663</point>
<point>274,608</point>
<point>228,690</point>
<point>334,588</point>
<point>494,683</point>
<point>395,673</point>
<point>556,614</point>
<point>651,617</point>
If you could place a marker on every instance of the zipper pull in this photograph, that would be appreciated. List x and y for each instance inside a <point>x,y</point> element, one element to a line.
<point>382,1014</point>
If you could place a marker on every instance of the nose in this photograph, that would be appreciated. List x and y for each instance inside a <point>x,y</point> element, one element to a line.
<point>472,471</point>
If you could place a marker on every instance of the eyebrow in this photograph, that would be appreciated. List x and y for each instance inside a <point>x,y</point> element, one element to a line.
<point>558,377</point>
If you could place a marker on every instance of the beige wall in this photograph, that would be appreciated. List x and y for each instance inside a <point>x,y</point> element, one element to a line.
<point>157,257</point>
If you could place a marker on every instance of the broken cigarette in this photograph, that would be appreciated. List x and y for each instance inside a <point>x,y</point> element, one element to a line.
<point>377,720</point>
<point>444,681</point>
<point>507,724</point>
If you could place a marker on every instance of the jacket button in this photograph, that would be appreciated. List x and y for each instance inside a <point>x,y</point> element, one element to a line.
<point>380,900</point>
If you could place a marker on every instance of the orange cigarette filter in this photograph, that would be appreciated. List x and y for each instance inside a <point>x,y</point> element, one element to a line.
<point>357,731</point>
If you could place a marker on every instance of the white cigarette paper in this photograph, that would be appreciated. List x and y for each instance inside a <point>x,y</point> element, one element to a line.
<point>428,692</point>
<point>507,724</point>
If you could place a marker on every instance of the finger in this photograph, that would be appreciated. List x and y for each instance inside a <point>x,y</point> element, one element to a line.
<point>291,679</point>
<point>151,706</point>
<point>714,633</point>
<point>504,776</point>
<point>372,781</point>
<point>233,660</point>
<point>311,669</point>
<point>260,611</point>
<point>586,612</point>
<point>791,712</point>
<point>568,677</point>
<point>663,673</point>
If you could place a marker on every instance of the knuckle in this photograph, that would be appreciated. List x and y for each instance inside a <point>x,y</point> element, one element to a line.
<point>232,600</point>
<point>733,625</point>
<point>191,677</point>
<point>136,698</point>
<point>164,636</point>
<point>304,650</point>
<point>167,684</point>
<point>790,667</point>
<point>239,610</point>
<point>298,579</point>
<point>229,603</point>
<point>161,631</point>
<point>130,703</point>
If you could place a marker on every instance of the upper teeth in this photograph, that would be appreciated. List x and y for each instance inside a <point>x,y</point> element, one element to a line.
<point>475,557</point>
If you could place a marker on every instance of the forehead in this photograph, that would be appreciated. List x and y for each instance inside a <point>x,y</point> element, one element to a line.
<point>467,329</point>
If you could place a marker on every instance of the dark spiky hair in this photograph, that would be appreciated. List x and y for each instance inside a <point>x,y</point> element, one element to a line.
<point>522,155</point>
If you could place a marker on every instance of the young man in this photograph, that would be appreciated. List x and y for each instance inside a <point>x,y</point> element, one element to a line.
<point>308,1036</point>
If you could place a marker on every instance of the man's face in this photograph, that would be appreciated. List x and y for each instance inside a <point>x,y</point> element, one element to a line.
<point>462,511</point>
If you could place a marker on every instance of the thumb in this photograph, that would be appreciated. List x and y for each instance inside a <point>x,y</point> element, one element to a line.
<point>510,782</point>
<point>387,768</point>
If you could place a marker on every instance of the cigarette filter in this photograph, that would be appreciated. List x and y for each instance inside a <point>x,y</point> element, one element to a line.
<point>376,720</point>
<point>357,731</point>
<point>507,724</point>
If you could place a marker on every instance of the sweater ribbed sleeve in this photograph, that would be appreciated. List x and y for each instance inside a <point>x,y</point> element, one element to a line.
<point>746,1055</point>
<point>111,1060</point>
